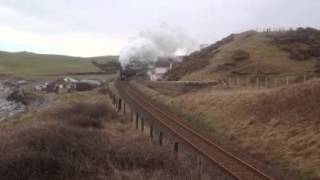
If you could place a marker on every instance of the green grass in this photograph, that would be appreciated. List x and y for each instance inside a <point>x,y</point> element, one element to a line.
<point>25,63</point>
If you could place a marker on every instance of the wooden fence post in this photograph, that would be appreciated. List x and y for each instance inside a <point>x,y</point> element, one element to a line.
<point>200,166</point>
<point>160,138</point>
<point>151,132</point>
<point>119,104</point>
<point>137,121</point>
<point>266,82</point>
<point>176,148</point>
<point>142,125</point>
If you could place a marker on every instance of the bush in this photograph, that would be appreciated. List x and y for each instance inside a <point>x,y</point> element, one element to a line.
<point>83,115</point>
<point>141,154</point>
<point>54,152</point>
<point>65,146</point>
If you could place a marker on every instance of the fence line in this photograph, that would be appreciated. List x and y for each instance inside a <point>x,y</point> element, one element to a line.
<point>275,29</point>
<point>266,81</point>
<point>247,82</point>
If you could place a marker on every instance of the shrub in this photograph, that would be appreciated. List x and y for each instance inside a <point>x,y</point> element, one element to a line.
<point>54,152</point>
<point>83,115</point>
<point>65,146</point>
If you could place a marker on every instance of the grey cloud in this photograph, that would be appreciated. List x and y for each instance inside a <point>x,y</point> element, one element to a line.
<point>205,20</point>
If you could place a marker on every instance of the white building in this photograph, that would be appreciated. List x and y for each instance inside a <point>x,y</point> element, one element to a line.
<point>70,80</point>
<point>157,71</point>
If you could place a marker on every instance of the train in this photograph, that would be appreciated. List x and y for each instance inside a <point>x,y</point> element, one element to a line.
<point>123,76</point>
<point>127,74</point>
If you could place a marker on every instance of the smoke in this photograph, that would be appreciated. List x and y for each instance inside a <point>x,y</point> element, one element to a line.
<point>148,45</point>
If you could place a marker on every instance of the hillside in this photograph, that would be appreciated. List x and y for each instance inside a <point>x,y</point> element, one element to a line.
<point>277,126</point>
<point>79,136</point>
<point>109,64</point>
<point>25,63</point>
<point>252,54</point>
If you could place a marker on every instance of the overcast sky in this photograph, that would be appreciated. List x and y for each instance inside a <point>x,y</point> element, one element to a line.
<point>102,27</point>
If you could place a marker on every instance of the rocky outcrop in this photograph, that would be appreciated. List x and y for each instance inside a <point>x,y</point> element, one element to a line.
<point>8,106</point>
<point>17,96</point>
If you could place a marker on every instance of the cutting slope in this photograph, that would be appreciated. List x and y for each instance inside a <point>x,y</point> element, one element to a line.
<point>252,54</point>
<point>279,126</point>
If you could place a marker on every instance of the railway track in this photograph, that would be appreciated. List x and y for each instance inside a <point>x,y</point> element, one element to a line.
<point>228,162</point>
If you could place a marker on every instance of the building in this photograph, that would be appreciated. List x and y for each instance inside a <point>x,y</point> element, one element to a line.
<point>160,67</point>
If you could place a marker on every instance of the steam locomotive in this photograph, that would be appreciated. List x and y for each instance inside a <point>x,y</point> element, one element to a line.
<point>123,75</point>
<point>127,74</point>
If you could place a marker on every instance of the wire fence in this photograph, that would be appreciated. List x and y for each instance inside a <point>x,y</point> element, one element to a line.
<point>266,81</point>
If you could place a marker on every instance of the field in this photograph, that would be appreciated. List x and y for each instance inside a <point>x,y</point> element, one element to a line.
<point>24,63</point>
<point>278,126</point>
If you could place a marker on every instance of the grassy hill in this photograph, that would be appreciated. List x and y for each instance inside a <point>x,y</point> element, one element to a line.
<point>108,64</point>
<point>25,63</point>
<point>252,54</point>
<point>276,126</point>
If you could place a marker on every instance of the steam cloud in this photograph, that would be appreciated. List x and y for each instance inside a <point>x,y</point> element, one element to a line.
<point>151,44</point>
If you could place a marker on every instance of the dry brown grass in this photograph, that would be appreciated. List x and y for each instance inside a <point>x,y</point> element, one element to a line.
<point>280,126</point>
<point>54,148</point>
<point>86,140</point>
<point>82,115</point>
<point>70,144</point>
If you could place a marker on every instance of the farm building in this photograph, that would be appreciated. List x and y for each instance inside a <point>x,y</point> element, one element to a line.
<point>160,67</point>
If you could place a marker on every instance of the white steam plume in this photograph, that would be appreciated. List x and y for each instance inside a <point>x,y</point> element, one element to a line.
<point>151,44</point>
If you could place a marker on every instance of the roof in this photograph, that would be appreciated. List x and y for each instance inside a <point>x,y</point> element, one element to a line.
<point>70,79</point>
